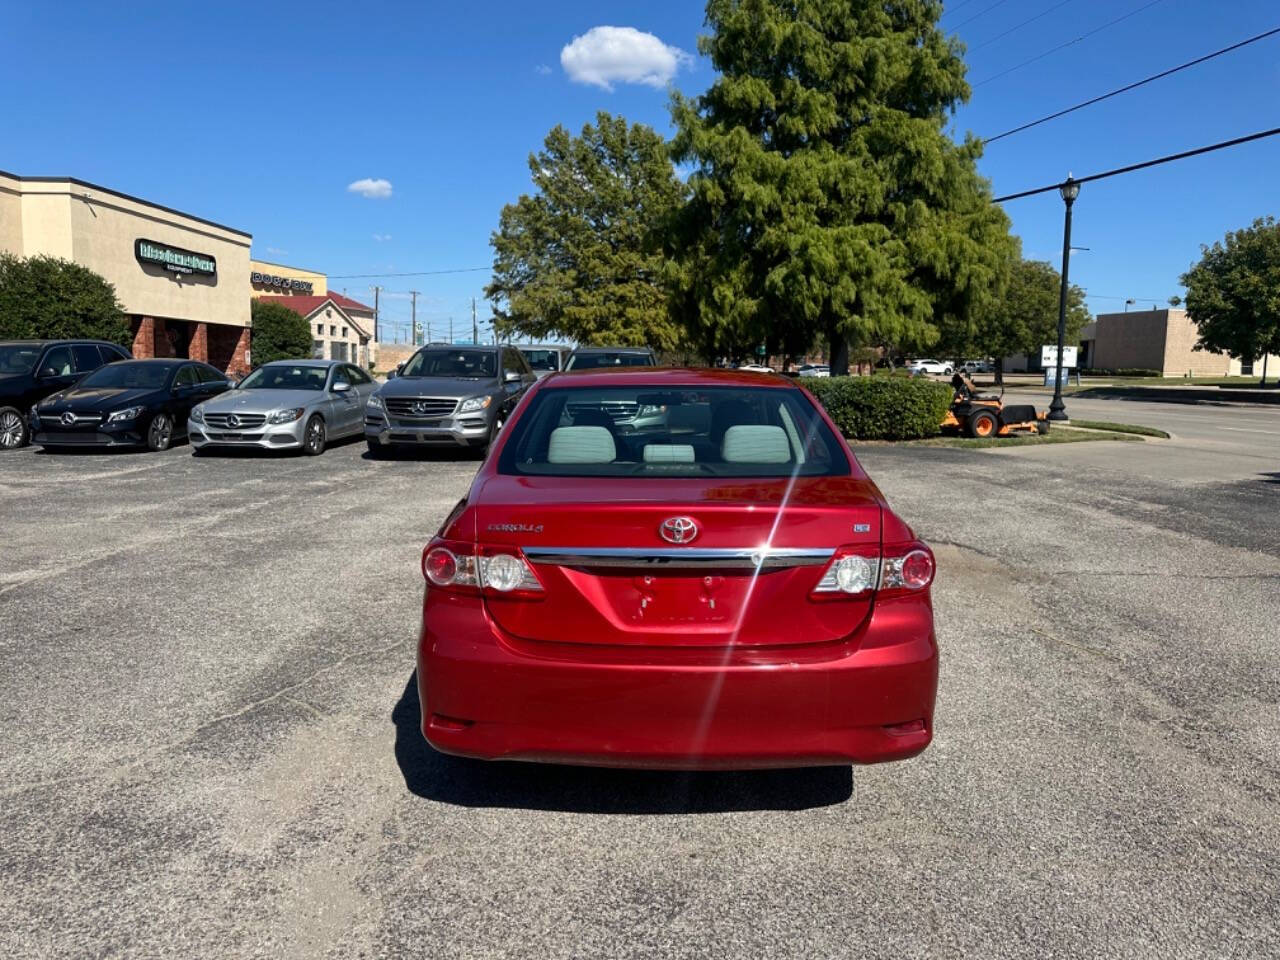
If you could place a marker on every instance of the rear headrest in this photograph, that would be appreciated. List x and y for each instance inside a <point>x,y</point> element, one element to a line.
<point>755,443</point>
<point>668,453</point>
<point>581,445</point>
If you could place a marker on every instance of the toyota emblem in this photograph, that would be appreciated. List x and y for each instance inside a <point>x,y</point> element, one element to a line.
<point>233,421</point>
<point>678,529</point>
<point>68,418</point>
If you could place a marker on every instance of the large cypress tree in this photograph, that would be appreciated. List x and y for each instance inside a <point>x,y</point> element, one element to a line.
<point>828,200</point>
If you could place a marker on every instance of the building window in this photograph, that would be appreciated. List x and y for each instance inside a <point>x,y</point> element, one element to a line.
<point>317,349</point>
<point>320,329</point>
<point>339,351</point>
<point>1246,368</point>
<point>333,330</point>
<point>344,333</point>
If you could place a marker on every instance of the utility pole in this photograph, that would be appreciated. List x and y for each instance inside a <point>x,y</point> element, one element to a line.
<point>413,314</point>
<point>475,330</point>
<point>376,291</point>
<point>451,329</point>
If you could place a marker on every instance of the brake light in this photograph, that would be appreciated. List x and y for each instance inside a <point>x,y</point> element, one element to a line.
<point>856,572</point>
<point>499,571</point>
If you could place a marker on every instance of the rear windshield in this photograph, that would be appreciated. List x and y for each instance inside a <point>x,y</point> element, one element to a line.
<point>129,374</point>
<point>694,432</point>
<point>590,361</point>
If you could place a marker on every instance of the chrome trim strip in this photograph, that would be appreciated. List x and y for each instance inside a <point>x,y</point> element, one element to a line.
<point>762,557</point>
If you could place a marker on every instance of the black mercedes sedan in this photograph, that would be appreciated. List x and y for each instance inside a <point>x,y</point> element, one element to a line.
<point>130,403</point>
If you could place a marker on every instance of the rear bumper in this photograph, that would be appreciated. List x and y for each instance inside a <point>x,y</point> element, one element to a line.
<point>483,698</point>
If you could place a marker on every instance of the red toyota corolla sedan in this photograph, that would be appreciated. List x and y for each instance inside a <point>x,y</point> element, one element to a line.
<point>680,569</point>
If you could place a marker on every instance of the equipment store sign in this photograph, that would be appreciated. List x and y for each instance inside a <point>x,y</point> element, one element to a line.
<point>280,283</point>
<point>174,259</point>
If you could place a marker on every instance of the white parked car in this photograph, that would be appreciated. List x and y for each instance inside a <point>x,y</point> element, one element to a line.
<point>976,366</point>
<point>756,368</point>
<point>814,370</point>
<point>931,366</point>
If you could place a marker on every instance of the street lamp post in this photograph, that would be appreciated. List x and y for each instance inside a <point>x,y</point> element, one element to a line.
<point>1069,190</point>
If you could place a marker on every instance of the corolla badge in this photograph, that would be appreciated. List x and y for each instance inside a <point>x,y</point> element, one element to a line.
<point>678,529</point>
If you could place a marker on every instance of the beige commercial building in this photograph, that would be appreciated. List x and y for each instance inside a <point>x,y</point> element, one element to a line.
<point>268,279</point>
<point>1162,340</point>
<point>183,280</point>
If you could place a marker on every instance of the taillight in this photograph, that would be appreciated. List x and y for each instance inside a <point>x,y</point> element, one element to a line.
<point>857,572</point>
<point>501,571</point>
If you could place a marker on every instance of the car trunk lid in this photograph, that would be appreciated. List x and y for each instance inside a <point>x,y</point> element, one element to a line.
<point>741,575</point>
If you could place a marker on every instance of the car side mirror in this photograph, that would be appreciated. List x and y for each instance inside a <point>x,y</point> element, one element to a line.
<point>511,376</point>
<point>391,374</point>
<point>341,387</point>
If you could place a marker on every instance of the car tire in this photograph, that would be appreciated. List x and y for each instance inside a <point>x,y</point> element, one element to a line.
<point>947,372</point>
<point>493,435</point>
<point>160,432</point>
<point>1042,427</point>
<point>313,436</point>
<point>982,424</point>
<point>377,451</point>
<point>13,429</point>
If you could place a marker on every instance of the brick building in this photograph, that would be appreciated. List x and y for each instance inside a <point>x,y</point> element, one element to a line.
<point>183,280</point>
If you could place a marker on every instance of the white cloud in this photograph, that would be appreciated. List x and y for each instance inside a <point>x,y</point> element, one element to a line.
<point>373,189</point>
<point>542,70</point>
<point>277,252</point>
<point>606,55</point>
<point>382,237</point>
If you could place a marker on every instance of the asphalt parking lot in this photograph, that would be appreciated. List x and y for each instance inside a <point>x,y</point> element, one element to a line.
<point>209,746</point>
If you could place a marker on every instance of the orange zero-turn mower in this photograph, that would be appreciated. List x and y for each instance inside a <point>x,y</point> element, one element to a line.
<point>978,416</point>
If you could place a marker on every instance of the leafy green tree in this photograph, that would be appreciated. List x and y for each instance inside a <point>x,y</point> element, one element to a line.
<point>1233,293</point>
<point>278,333</point>
<point>827,198</point>
<point>1023,318</point>
<point>44,297</point>
<point>581,258</point>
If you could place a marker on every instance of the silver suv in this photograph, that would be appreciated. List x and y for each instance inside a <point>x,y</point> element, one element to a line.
<point>447,395</point>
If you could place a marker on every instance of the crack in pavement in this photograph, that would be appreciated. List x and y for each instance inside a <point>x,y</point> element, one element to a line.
<point>133,763</point>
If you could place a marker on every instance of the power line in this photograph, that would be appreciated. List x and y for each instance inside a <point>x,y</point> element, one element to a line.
<point>420,273</point>
<point>1038,16</point>
<point>1145,164</point>
<point>1063,46</point>
<point>956,9</point>
<point>1134,86</point>
<point>981,13</point>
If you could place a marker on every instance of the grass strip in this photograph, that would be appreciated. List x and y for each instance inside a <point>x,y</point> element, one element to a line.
<point>1119,428</point>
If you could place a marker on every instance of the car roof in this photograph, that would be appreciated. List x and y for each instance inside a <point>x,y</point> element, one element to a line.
<point>160,361</point>
<point>50,343</point>
<point>612,350</point>
<point>663,377</point>
<point>309,362</point>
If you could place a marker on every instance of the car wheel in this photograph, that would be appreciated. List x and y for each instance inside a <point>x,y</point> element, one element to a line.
<point>947,372</point>
<point>13,429</point>
<point>982,423</point>
<point>160,433</point>
<point>493,435</point>
<point>313,438</point>
<point>377,451</point>
<point>1042,427</point>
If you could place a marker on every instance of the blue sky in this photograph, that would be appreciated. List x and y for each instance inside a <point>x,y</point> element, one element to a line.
<point>261,115</point>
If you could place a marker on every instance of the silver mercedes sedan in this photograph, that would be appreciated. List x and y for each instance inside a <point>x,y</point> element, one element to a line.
<point>285,405</point>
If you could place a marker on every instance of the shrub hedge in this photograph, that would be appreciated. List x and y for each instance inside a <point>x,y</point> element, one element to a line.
<point>883,408</point>
<point>1120,372</point>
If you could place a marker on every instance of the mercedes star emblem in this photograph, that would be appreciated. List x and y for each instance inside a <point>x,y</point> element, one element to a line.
<point>68,418</point>
<point>233,421</point>
<point>678,529</point>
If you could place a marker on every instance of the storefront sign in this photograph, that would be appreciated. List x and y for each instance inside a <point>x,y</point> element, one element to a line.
<point>175,260</point>
<point>282,283</point>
